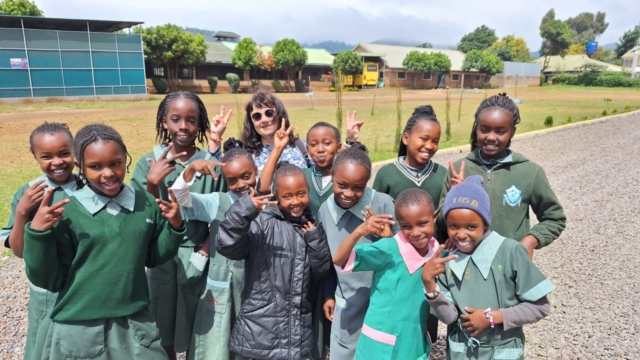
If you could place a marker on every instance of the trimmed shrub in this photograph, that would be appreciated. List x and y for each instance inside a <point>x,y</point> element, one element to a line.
<point>332,89</point>
<point>299,84</point>
<point>543,80</point>
<point>548,121</point>
<point>234,81</point>
<point>627,108</point>
<point>585,118</point>
<point>486,85</point>
<point>160,84</point>
<point>615,111</point>
<point>277,86</point>
<point>604,112</point>
<point>569,119</point>
<point>590,78</point>
<point>213,83</point>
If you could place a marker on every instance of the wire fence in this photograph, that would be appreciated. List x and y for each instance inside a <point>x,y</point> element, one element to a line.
<point>72,91</point>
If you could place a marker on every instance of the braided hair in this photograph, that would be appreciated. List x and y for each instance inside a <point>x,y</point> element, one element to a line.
<point>92,134</point>
<point>162,134</point>
<point>356,154</point>
<point>49,128</point>
<point>284,168</point>
<point>233,150</point>
<point>495,102</point>
<point>263,99</point>
<point>424,112</point>
<point>325,125</point>
<point>414,196</point>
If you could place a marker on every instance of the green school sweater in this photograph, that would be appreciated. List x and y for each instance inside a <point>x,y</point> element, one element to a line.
<point>317,194</point>
<point>394,178</point>
<point>513,187</point>
<point>97,262</point>
<point>198,231</point>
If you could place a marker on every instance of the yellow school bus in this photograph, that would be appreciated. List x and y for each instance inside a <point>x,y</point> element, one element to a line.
<point>369,76</point>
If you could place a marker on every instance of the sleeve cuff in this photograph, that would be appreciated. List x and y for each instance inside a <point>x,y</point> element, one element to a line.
<point>36,234</point>
<point>350,263</point>
<point>182,230</point>
<point>538,237</point>
<point>199,261</point>
<point>181,190</point>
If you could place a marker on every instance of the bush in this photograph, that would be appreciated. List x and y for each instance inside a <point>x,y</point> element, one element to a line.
<point>350,88</point>
<point>332,89</point>
<point>627,108</point>
<point>604,112</point>
<point>234,81</point>
<point>486,85</point>
<point>590,78</point>
<point>277,86</point>
<point>543,80</point>
<point>299,84</point>
<point>569,119</point>
<point>585,118</point>
<point>548,121</point>
<point>160,84</point>
<point>213,83</point>
<point>615,111</point>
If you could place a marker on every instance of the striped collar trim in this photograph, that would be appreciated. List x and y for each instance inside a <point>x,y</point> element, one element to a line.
<point>316,179</point>
<point>417,177</point>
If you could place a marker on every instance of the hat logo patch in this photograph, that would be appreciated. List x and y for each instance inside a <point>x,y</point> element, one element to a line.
<point>512,196</point>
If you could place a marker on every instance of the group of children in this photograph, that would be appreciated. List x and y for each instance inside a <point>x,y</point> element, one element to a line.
<point>209,253</point>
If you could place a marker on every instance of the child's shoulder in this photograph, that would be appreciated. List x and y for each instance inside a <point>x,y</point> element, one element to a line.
<point>380,198</point>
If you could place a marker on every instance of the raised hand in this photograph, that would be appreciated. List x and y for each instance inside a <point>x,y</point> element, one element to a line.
<point>475,321</point>
<point>219,125</point>
<point>163,167</point>
<point>47,216</point>
<point>281,137</point>
<point>353,127</point>
<point>434,267</point>
<point>377,224</point>
<point>31,198</point>
<point>261,201</point>
<point>171,210</point>
<point>206,167</point>
<point>308,226</point>
<point>456,177</point>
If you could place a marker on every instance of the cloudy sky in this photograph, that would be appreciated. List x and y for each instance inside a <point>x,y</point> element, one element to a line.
<point>352,21</point>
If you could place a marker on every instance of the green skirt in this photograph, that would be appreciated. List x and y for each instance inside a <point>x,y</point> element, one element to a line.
<point>39,311</point>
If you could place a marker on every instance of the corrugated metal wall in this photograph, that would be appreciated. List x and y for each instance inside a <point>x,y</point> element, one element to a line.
<point>521,69</point>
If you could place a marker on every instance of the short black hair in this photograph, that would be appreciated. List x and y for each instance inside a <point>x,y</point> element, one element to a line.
<point>496,102</point>
<point>414,196</point>
<point>356,154</point>
<point>91,134</point>
<point>424,112</point>
<point>49,128</point>
<point>327,125</point>
<point>284,168</point>
<point>162,134</point>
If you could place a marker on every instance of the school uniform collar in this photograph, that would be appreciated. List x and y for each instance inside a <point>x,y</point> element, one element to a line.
<point>337,212</point>
<point>316,179</point>
<point>412,259</point>
<point>417,176</point>
<point>69,188</point>
<point>94,203</point>
<point>483,256</point>
<point>505,160</point>
<point>199,155</point>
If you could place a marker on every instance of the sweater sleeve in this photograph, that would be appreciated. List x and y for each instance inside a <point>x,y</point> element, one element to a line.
<point>379,184</point>
<point>545,204</point>
<point>444,309</point>
<point>6,231</point>
<point>330,283</point>
<point>140,173</point>
<point>47,257</point>
<point>164,246</point>
<point>238,230</point>
<point>318,250</point>
<point>525,313</point>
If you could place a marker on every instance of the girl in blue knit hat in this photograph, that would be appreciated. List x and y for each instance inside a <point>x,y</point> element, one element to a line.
<point>491,289</point>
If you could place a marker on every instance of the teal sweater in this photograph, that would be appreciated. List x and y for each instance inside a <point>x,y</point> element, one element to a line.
<point>393,179</point>
<point>97,262</point>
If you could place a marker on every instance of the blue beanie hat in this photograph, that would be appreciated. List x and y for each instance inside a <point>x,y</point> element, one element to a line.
<point>469,194</point>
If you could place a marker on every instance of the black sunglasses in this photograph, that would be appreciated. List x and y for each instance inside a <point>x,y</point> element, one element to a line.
<point>258,116</point>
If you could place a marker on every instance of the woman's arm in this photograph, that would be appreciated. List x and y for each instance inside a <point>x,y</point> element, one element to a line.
<point>280,142</point>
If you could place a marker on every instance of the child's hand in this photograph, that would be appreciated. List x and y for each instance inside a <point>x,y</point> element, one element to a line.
<point>47,216</point>
<point>163,167</point>
<point>449,245</point>
<point>353,127</point>
<point>31,198</point>
<point>171,210</point>
<point>434,267</point>
<point>475,321</point>
<point>219,125</point>
<point>328,307</point>
<point>261,201</point>
<point>308,226</point>
<point>205,167</point>
<point>281,137</point>
<point>456,177</point>
<point>377,224</point>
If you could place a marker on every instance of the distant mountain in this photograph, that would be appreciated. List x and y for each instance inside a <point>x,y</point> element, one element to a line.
<point>397,42</point>
<point>331,46</point>
<point>203,32</point>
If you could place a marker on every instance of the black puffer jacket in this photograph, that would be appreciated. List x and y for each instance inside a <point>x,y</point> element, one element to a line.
<point>275,319</point>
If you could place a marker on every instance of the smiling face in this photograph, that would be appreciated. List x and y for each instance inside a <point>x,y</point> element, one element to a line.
<point>181,122</point>
<point>465,228</point>
<point>422,142</point>
<point>54,154</point>
<point>417,225</point>
<point>267,122</point>
<point>105,167</point>
<point>323,146</point>
<point>349,183</point>
<point>494,130</point>
<point>240,175</point>
<point>293,194</point>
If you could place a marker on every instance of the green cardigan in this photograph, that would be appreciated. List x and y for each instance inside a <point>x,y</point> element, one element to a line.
<point>393,179</point>
<point>317,194</point>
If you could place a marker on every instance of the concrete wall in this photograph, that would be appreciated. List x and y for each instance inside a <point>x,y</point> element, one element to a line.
<point>502,81</point>
<point>471,79</point>
<point>202,86</point>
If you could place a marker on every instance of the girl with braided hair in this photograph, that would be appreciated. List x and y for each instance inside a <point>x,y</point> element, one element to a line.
<point>93,248</point>
<point>182,122</point>
<point>514,183</point>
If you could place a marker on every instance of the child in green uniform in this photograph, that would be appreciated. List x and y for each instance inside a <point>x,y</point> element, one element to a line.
<point>395,326</point>
<point>514,183</point>
<point>94,250</point>
<point>181,122</point>
<point>52,147</point>
<point>491,289</point>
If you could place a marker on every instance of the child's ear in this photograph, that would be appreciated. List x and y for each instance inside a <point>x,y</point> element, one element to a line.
<point>339,148</point>
<point>405,138</point>
<point>164,123</point>
<point>513,133</point>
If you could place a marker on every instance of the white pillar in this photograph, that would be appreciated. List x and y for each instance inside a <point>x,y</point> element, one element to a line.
<point>634,63</point>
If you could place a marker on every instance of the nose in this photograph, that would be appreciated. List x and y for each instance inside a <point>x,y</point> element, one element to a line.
<point>414,232</point>
<point>320,148</point>
<point>182,124</point>
<point>57,161</point>
<point>347,193</point>
<point>108,172</point>
<point>429,145</point>
<point>491,136</point>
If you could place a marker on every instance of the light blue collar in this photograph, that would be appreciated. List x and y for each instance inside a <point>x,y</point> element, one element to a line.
<point>233,196</point>
<point>94,202</point>
<point>505,160</point>
<point>337,212</point>
<point>199,155</point>
<point>68,188</point>
<point>483,256</point>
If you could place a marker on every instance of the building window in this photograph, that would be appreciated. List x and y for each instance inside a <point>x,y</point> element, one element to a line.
<point>314,73</point>
<point>455,77</point>
<point>381,75</point>
<point>477,77</point>
<point>186,72</point>
<point>158,71</point>
<point>402,75</point>
<point>426,76</point>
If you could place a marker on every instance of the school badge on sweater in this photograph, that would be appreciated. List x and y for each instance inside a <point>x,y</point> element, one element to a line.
<point>512,196</point>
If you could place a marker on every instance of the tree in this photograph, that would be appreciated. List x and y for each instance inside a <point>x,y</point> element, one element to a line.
<point>603,55</point>
<point>417,62</point>
<point>577,49</point>
<point>483,61</point>
<point>349,62</point>
<point>479,39</point>
<point>290,57</point>
<point>426,45</point>
<point>556,37</point>
<point>20,7</point>
<point>511,48</point>
<point>627,42</point>
<point>171,47</point>
<point>438,63</point>
<point>587,26</point>
<point>266,62</point>
<point>245,56</point>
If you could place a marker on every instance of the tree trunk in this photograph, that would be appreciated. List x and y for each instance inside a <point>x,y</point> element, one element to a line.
<point>289,77</point>
<point>415,78</point>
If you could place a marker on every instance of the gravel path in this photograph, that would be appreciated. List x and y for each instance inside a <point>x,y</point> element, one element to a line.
<point>594,265</point>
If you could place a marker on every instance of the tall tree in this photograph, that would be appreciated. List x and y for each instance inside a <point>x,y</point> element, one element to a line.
<point>426,45</point>
<point>483,61</point>
<point>587,26</point>
<point>245,56</point>
<point>556,37</point>
<point>416,62</point>
<point>511,48</point>
<point>19,7</point>
<point>479,39</point>
<point>628,40</point>
<point>171,47</point>
<point>290,57</point>
<point>349,62</point>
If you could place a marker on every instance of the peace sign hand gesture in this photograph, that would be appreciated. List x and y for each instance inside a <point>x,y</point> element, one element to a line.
<point>353,127</point>
<point>171,210</point>
<point>261,201</point>
<point>456,177</point>
<point>219,125</point>
<point>163,167</point>
<point>376,224</point>
<point>47,216</point>
<point>281,137</point>
<point>205,167</point>
<point>434,267</point>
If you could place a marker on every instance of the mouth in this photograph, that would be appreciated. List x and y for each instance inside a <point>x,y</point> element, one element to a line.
<point>110,185</point>
<point>427,155</point>
<point>490,147</point>
<point>347,203</point>
<point>59,171</point>
<point>183,138</point>
<point>321,159</point>
<point>463,244</point>
<point>418,240</point>
<point>297,209</point>
<point>242,191</point>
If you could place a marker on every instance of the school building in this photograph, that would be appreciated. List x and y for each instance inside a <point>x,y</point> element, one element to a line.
<point>44,57</point>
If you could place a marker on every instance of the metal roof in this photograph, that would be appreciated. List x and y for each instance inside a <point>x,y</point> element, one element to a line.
<point>315,57</point>
<point>218,53</point>
<point>394,55</point>
<point>572,63</point>
<point>45,23</point>
<point>226,35</point>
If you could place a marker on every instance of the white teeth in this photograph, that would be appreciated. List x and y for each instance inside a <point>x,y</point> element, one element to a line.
<point>464,243</point>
